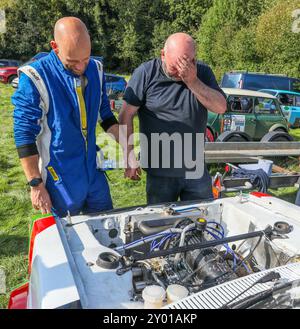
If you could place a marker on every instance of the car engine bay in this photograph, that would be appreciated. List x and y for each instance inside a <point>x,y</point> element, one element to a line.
<point>190,248</point>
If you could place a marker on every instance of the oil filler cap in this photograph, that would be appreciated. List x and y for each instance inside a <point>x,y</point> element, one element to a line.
<point>108,260</point>
<point>283,227</point>
<point>201,224</point>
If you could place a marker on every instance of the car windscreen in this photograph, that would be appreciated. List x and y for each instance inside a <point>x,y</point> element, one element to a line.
<point>231,80</point>
<point>266,106</point>
<point>257,81</point>
<point>14,63</point>
<point>286,99</point>
<point>240,104</point>
<point>4,64</point>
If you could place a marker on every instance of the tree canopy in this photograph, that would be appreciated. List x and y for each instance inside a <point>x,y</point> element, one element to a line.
<point>236,34</point>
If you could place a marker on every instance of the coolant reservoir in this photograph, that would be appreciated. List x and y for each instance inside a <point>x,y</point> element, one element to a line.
<point>176,292</point>
<point>153,296</point>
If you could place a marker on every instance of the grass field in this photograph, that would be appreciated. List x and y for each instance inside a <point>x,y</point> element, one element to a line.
<point>15,206</point>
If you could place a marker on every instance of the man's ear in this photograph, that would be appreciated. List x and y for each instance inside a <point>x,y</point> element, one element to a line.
<point>54,46</point>
<point>162,54</point>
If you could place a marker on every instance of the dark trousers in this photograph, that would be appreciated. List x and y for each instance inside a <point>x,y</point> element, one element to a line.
<point>170,189</point>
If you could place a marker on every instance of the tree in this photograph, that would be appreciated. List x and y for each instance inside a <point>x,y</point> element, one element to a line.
<point>29,27</point>
<point>4,4</point>
<point>275,40</point>
<point>186,15</point>
<point>161,32</point>
<point>235,34</point>
<point>243,50</point>
<point>137,19</point>
<point>180,16</point>
<point>219,35</point>
<point>101,19</point>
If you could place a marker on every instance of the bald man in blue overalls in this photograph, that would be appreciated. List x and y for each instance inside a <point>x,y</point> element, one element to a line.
<point>58,103</point>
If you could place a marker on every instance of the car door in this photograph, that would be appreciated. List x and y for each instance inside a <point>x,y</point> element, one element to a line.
<point>294,118</point>
<point>268,115</point>
<point>297,105</point>
<point>109,84</point>
<point>285,103</point>
<point>117,84</point>
<point>289,108</point>
<point>239,115</point>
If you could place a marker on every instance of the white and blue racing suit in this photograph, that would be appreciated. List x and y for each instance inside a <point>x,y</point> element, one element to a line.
<point>53,118</point>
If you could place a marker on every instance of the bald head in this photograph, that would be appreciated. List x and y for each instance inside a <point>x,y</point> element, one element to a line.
<point>72,44</point>
<point>70,30</point>
<point>177,45</point>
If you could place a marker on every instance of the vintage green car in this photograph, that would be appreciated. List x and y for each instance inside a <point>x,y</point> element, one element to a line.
<point>250,115</point>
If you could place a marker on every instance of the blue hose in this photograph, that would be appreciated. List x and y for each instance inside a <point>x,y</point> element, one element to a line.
<point>166,236</point>
<point>217,231</point>
<point>163,240</point>
<point>140,240</point>
<point>155,244</point>
<point>217,224</point>
<point>228,249</point>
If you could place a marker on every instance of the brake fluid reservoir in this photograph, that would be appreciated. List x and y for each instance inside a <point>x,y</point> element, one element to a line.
<point>176,292</point>
<point>153,296</point>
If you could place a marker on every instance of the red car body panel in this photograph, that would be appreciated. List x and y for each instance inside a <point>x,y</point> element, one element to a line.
<point>7,72</point>
<point>18,298</point>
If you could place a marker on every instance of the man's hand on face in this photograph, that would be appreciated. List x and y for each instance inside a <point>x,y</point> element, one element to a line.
<point>40,199</point>
<point>187,70</point>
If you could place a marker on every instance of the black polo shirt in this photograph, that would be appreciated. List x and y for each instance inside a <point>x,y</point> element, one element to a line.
<point>168,107</point>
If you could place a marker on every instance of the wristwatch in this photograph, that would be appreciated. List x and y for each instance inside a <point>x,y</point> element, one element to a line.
<point>35,182</point>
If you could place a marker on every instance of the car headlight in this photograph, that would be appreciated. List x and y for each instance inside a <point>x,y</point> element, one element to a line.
<point>3,71</point>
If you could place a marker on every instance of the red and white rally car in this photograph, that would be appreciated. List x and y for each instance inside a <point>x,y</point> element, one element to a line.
<point>236,252</point>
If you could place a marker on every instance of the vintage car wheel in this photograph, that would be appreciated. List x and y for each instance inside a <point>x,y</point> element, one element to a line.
<point>233,136</point>
<point>11,78</point>
<point>277,136</point>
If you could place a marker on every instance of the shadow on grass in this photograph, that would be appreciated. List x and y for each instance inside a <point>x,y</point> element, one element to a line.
<point>10,245</point>
<point>4,164</point>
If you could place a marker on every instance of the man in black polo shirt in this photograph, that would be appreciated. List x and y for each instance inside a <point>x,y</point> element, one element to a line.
<point>171,96</point>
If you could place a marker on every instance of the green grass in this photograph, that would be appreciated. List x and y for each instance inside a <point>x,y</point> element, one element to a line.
<point>292,164</point>
<point>295,133</point>
<point>15,206</point>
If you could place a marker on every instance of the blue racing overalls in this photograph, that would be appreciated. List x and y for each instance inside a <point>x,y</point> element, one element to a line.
<point>53,118</point>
